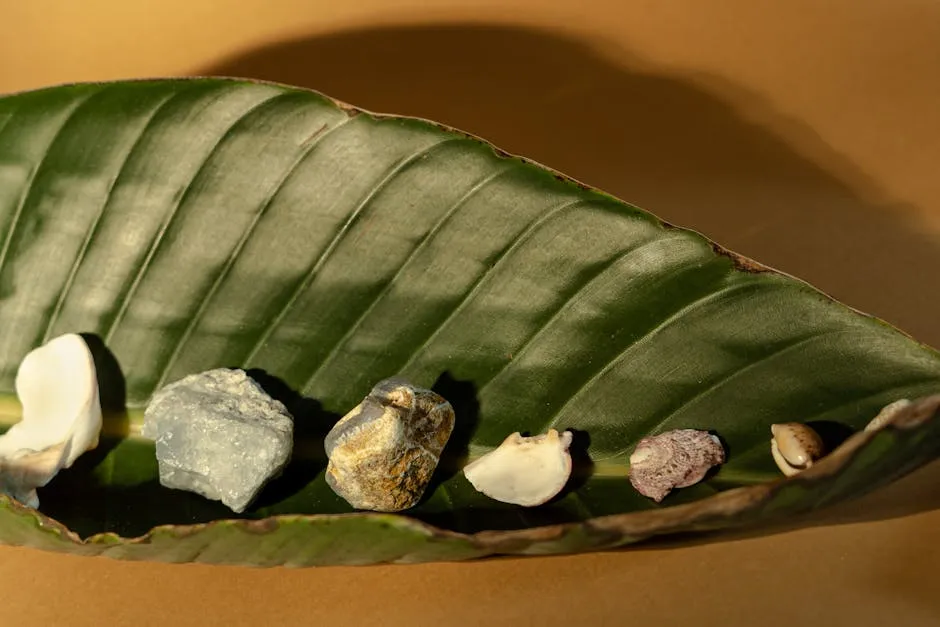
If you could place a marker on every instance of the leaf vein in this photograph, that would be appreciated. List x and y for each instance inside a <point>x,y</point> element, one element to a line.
<point>893,396</point>
<point>29,189</point>
<point>425,241</point>
<point>520,238</point>
<point>668,321</point>
<point>174,212</point>
<point>93,229</point>
<point>338,237</point>
<point>731,375</point>
<point>881,393</point>
<point>4,121</point>
<point>568,303</point>
<point>717,385</point>
<point>194,320</point>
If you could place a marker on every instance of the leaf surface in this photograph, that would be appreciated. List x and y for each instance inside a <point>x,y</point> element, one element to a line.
<point>191,224</point>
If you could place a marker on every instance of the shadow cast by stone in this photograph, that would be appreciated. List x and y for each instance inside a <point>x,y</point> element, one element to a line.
<point>462,396</point>
<point>506,518</point>
<point>582,466</point>
<point>83,498</point>
<point>112,388</point>
<point>311,424</point>
<point>133,510</point>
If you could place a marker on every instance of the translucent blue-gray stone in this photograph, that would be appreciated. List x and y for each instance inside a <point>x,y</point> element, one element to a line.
<point>218,434</point>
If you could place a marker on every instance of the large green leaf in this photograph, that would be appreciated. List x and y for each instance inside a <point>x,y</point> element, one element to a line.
<point>190,224</point>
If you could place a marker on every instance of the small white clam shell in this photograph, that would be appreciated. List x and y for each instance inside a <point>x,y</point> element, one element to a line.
<point>527,471</point>
<point>887,412</point>
<point>383,452</point>
<point>58,390</point>
<point>795,447</point>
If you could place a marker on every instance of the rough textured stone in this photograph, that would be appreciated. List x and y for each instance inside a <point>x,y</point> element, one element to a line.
<point>674,459</point>
<point>383,452</point>
<point>220,435</point>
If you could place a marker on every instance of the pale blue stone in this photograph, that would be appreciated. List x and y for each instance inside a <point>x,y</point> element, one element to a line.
<point>219,434</point>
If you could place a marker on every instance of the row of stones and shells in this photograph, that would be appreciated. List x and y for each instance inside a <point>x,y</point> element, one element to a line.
<point>220,435</point>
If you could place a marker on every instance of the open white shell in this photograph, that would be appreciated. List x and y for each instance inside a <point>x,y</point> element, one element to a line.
<point>58,390</point>
<point>525,471</point>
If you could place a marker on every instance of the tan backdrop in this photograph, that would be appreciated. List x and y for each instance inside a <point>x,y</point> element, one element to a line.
<point>803,133</point>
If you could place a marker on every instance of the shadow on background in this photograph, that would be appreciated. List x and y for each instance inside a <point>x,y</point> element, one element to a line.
<point>662,142</point>
<point>308,457</point>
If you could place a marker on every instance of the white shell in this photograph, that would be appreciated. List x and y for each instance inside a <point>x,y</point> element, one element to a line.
<point>525,471</point>
<point>58,390</point>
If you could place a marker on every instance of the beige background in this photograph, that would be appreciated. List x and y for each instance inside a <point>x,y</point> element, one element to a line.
<point>805,134</point>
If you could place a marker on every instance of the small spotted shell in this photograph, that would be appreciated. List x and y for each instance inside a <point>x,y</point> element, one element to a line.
<point>674,459</point>
<point>795,447</point>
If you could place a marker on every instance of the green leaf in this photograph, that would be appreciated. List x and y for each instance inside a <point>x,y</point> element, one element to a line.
<point>184,225</point>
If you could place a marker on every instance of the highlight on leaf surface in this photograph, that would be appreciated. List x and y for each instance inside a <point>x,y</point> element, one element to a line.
<point>198,224</point>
